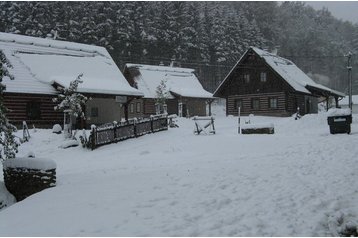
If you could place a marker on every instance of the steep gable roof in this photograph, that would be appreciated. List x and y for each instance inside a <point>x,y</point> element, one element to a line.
<point>289,72</point>
<point>179,81</point>
<point>39,63</point>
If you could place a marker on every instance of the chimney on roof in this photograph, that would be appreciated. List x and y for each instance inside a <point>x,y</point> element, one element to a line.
<point>275,50</point>
<point>172,63</point>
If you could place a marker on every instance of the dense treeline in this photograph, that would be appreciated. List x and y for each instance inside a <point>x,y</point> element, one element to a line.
<point>208,36</point>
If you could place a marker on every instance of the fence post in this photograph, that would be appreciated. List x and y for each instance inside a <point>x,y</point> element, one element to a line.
<point>135,128</point>
<point>115,131</point>
<point>212,123</point>
<point>93,137</point>
<point>151,124</point>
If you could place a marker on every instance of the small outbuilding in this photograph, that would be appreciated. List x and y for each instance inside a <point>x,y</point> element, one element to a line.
<point>264,83</point>
<point>40,65</point>
<point>186,95</point>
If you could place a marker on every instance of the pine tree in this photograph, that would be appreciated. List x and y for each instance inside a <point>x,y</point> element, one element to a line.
<point>9,147</point>
<point>161,96</point>
<point>70,101</point>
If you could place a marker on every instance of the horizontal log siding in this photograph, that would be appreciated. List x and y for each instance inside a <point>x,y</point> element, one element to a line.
<point>149,106</point>
<point>264,104</point>
<point>17,103</point>
<point>196,107</point>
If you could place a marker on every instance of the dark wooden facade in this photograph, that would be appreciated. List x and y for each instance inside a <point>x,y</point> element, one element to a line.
<point>35,109</point>
<point>259,90</point>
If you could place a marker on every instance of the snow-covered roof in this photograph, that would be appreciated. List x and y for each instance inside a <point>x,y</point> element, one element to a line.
<point>293,75</point>
<point>38,63</point>
<point>179,81</point>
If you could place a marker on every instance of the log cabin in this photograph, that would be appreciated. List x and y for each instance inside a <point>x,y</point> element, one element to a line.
<point>186,95</point>
<point>40,65</point>
<point>262,83</point>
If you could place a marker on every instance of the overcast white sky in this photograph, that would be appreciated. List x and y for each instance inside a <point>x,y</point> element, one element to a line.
<point>346,10</point>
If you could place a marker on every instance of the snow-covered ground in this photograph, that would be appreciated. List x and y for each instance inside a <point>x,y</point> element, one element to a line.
<point>301,181</point>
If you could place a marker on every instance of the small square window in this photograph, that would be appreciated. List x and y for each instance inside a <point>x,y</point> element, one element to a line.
<point>131,108</point>
<point>273,102</point>
<point>247,78</point>
<point>238,103</point>
<point>263,77</point>
<point>255,103</point>
<point>94,111</point>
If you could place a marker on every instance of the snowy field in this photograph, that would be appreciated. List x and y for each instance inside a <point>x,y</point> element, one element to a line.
<point>301,181</point>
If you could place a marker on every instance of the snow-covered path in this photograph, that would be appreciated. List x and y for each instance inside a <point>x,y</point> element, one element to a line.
<point>174,183</point>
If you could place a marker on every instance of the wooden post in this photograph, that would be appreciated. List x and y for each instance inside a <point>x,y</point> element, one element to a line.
<point>93,137</point>
<point>212,123</point>
<point>327,103</point>
<point>126,111</point>
<point>151,124</point>
<point>239,118</point>
<point>336,99</point>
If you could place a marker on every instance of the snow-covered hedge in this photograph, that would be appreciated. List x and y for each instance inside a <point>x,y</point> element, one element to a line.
<point>26,176</point>
<point>30,163</point>
<point>257,126</point>
<point>339,112</point>
<point>261,128</point>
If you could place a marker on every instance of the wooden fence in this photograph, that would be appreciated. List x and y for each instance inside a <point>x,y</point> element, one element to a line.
<point>115,132</point>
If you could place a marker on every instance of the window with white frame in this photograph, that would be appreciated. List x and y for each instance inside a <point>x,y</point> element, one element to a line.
<point>247,78</point>
<point>255,103</point>
<point>263,77</point>
<point>138,107</point>
<point>238,103</point>
<point>273,102</point>
<point>131,108</point>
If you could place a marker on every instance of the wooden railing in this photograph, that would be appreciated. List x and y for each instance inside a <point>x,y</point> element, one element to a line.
<point>115,132</point>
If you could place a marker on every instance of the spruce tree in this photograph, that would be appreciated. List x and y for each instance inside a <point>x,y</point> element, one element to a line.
<point>9,147</point>
<point>70,101</point>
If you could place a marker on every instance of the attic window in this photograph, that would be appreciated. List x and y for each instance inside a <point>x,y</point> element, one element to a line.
<point>247,78</point>
<point>263,77</point>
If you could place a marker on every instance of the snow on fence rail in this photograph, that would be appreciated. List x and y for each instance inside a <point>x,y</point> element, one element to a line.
<point>115,132</point>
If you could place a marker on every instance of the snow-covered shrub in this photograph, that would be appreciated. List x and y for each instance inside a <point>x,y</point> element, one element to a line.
<point>6,198</point>
<point>69,143</point>
<point>8,145</point>
<point>26,176</point>
<point>341,224</point>
<point>162,95</point>
<point>30,154</point>
<point>57,129</point>
<point>71,102</point>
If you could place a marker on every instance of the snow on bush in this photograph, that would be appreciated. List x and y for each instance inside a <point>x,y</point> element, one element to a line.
<point>6,198</point>
<point>69,143</point>
<point>8,145</point>
<point>57,129</point>
<point>30,163</point>
<point>341,224</point>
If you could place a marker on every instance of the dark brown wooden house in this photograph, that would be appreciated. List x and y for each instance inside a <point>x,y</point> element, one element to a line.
<point>187,97</point>
<point>39,65</point>
<point>262,83</point>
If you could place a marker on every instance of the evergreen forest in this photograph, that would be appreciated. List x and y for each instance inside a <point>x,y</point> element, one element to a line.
<point>207,36</point>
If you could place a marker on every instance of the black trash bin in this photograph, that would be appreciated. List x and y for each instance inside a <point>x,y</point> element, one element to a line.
<point>340,124</point>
